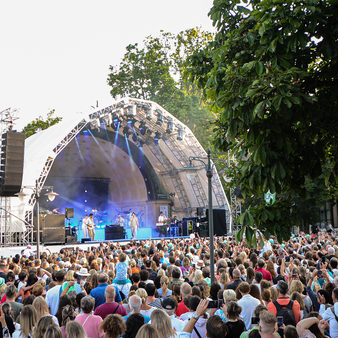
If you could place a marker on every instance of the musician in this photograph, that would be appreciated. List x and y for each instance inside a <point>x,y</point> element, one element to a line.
<point>163,220</point>
<point>120,220</point>
<point>91,227</point>
<point>134,225</point>
<point>85,226</point>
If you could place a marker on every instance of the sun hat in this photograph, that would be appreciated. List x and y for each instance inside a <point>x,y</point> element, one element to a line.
<point>83,272</point>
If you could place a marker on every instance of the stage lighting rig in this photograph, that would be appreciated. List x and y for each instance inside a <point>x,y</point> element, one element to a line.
<point>160,118</point>
<point>180,133</point>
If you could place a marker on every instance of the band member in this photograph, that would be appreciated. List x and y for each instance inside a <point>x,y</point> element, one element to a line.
<point>91,227</point>
<point>134,225</point>
<point>85,226</point>
<point>120,220</point>
<point>163,219</point>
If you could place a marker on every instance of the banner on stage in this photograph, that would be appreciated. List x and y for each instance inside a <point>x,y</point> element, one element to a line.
<point>164,209</point>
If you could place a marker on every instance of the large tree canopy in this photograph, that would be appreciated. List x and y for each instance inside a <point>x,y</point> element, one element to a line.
<point>272,75</point>
<point>154,72</point>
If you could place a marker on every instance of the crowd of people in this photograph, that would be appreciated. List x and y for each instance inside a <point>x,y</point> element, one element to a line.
<point>163,289</point>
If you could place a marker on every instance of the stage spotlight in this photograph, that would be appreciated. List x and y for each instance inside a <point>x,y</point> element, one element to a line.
<point>115,117</point>
<point>135,137</point>
<point>180,134</point>
<point>170,126</point>
<point>143,128</point>
<point>141,144</point>
<point>157,136</point>
<point>149,132</point>
<point>108,119</point>
<point>126,131</point>
<point>149,113</point>
<point>160,117</point>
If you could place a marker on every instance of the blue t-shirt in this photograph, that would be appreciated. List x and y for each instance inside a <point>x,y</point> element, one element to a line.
<point>98,294</point>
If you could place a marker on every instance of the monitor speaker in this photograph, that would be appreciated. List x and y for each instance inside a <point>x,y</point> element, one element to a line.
<point>12,157</point>
<point>220,228</point>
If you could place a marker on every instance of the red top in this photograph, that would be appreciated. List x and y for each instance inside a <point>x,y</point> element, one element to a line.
<point>181,309</point>
<point>266,273</point>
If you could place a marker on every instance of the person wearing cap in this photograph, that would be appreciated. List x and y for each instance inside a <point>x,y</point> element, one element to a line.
<point>283,299</point>
<point>169,305</point>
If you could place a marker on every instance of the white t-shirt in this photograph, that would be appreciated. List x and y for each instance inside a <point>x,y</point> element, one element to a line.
<point>53,299</point>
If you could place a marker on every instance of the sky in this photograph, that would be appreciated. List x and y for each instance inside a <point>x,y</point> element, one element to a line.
<point>56,54</point>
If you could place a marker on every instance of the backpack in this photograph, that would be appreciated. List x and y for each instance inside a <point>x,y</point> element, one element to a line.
<point>286,312</point>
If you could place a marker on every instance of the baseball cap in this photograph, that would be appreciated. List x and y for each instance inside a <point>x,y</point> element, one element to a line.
<point>169,304</point>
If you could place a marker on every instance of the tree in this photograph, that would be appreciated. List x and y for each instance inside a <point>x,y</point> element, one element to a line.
<point>40,123</point>
<point>154,72</point>
<point>271,73</point>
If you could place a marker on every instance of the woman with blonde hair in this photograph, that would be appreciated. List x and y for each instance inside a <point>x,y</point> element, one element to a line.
<point>298,297</point>
<point>229,295</point>
<point>68,285</point>
<point>146,309</point>
<point>297,286</point>
<point>43,324</point>
<point>185,266</point>
<point>41,309</point>
<point>147,331</point>
<point>53,331</point>
<point>160,320</point>
<point>113,326</point>
<point>196,276</point>
<point>75,330</point>
<point>160,273</point>
<point>224,280</point>
<point>164,291</point>
<point>28,320</point>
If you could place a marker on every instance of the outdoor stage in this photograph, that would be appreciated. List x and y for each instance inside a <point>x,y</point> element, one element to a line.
<point>129,157</point>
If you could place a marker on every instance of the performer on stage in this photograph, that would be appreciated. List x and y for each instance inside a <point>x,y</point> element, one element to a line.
<point>163,219</point>
<point>134,225</point>
<point>120,220</point>
<point>91,227</point>
<point>85,226</point>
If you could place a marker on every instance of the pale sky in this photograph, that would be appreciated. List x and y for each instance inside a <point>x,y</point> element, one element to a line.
<point>56,54</point>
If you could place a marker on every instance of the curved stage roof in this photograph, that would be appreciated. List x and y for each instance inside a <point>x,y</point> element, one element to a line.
<point>138,170</point>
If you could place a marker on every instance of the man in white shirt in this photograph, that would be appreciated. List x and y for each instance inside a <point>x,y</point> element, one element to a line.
<point>53,295</point>
<point>331,314</point>
<point>247,303</point>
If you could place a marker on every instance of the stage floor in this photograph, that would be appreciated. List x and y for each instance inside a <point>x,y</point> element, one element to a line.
<point>55,248</point>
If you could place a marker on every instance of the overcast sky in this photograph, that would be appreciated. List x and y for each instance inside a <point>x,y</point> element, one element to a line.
<point>56,54</point>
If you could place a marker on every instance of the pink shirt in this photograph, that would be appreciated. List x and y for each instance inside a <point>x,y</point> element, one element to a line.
<point>90,325</point>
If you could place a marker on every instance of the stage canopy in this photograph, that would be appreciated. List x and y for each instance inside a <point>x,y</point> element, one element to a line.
<point>131,155</point>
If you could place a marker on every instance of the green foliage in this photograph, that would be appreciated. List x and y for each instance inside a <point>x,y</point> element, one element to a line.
<point>41,124</point>
<point>272,74</point>
<point>154,72</point>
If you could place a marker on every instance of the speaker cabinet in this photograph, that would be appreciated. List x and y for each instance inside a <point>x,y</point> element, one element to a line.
<point>220,228</point>
<point>52,228</point>
<point>12,156</point>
